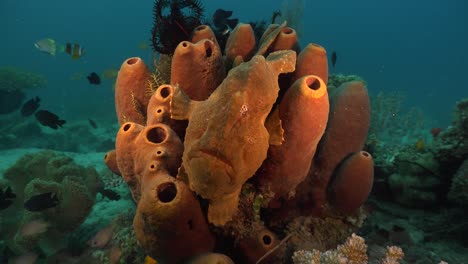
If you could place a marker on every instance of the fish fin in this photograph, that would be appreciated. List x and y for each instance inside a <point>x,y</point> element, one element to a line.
<point>61,122</point>
<point>221,211</point>
<point>181,104</point>
<point>282,61</point>
<point>273,125</point>
<point>232,22</point>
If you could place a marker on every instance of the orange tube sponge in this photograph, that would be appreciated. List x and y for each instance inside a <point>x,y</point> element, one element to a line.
<point>268,32</point>
<point>159,146</point>
<point>169,222</point>
<point>203,32</point>
<point>286,40</point>
<point>197,68</point>
<point>312,60</point>
<point>226,139</point>
<point>257,244</point>
<point>131,99</point>
<point>346,133</point>
<point>269,37</point>
<point>138,146</point>
<point>125,151</point>
<point>210,258</point>
<point>303,112</point>
<point>241,42</point>
<point>111,161</point>
<point>159,110</point>
<point>352,183</point>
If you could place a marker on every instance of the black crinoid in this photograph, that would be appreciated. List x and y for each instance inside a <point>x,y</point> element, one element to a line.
<point>174,21</point>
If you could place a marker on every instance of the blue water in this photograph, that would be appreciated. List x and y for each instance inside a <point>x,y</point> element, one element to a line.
<point>416,47</point>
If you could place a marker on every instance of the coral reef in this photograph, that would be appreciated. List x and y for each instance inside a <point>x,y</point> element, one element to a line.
<point>420,176</point>
<point>427,186</point>
<point>207,185</point>
<point>13,79</point>
<point>416,178</point>
<point>354,250</point>
<point>394,126</point>
<point>440,231</point>
<point>459,187</point>
<point>13,83</point>
<point>78,136</point>
<point>450,145</point>
<point>42,172</point>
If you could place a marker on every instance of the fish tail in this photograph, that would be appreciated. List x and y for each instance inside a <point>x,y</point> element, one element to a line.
<point>61,122</point>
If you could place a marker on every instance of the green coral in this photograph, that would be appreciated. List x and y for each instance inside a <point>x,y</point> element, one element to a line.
<point>14,79</point>
<point>42,172</point>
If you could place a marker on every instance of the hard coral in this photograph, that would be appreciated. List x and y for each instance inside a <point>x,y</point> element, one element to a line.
<point>353,251</point>
<point>42,172</point>
<point>13,83</point>
<point>233,118</point>
<point>14,79</point>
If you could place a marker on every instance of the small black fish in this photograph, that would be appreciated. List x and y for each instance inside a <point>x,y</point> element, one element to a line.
<point>41,202</point>
<point>94,78</point>
<point>112,195</point>
<point>30,106</point>
<point>49,119</point>
<point>333,58</point>
<point>221,20</point>
<point>92,123</point>
<point>6,198</point>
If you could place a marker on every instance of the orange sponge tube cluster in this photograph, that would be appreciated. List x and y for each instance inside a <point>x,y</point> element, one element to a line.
<point>199,151</point>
